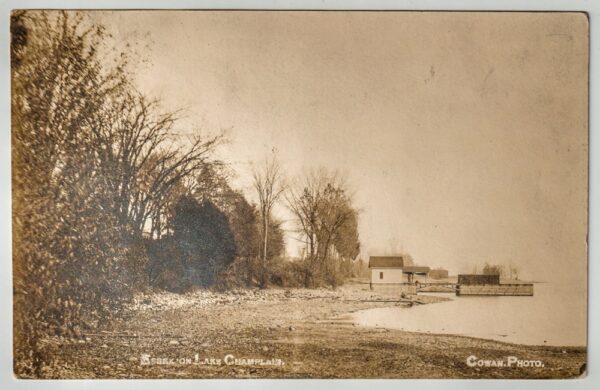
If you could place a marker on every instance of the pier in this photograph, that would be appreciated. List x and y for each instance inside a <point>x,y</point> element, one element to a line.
<point>500,289</point>
<point>438,287</point>
<point>513,289</point>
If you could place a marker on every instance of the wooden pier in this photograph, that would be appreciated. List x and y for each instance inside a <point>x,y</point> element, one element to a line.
<point>521,289</point>
<point>438,287</point>
<point>508,289</point>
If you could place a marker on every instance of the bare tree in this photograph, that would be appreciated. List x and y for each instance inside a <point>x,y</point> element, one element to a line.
<point>268,183</point>
<point>93,162</point>
<point>322,205</point>
<point>138,146</point>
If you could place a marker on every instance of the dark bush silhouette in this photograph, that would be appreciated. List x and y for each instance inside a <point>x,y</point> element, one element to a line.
<point>165,266</point>
<point>201,247</point>
<point>205,240</point>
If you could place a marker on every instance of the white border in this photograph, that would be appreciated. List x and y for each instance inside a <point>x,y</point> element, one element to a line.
<point>7,381</point>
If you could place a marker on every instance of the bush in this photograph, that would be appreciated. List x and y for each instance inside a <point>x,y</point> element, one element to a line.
<point>242,273</point>
<point>287,273</point>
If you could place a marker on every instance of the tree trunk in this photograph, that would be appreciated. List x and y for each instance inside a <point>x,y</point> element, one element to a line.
<point>264,265</point>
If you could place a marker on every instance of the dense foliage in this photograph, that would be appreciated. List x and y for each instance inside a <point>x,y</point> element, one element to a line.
<point>109,200</point>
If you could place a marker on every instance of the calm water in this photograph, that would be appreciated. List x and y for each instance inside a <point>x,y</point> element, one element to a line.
<point>555,315</point>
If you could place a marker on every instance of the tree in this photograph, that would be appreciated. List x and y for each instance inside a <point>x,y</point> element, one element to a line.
<point>276,241</point>
<point>246,224</point>
<point>94,164</point>
<point>346,240</point>
<point>267,181</point>
<point>321,203</point>
<point>212,183</point>
<point>493,269</point>
<point>205,240</point>
<point>69,248</point>
<point>148,167</point>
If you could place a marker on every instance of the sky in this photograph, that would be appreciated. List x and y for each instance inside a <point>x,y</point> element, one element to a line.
<point>464,136</point>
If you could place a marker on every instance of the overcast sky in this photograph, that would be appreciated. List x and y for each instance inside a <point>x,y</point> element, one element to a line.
<point>464,135</point>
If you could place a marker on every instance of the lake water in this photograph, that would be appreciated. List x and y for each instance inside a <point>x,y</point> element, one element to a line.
<point>555,315</point>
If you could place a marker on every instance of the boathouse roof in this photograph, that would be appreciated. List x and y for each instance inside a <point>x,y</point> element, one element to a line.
<point>386,262</point>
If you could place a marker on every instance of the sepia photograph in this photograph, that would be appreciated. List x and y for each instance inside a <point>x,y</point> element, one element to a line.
<point>232,194</point>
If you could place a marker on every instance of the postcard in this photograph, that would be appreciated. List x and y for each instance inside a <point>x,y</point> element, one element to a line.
<point>299,194</point>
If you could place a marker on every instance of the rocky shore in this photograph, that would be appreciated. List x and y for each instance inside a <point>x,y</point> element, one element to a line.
<point>295,333</point>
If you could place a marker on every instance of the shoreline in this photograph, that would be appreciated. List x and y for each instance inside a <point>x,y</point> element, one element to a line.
<point>307,331</point>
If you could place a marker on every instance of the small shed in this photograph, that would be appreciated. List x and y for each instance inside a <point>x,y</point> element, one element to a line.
<point>416,273</point>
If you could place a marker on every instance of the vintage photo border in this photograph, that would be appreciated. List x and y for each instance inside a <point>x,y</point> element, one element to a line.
<point>7,379</point>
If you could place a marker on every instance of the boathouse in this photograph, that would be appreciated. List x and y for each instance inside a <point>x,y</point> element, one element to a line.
<point>386,269</point>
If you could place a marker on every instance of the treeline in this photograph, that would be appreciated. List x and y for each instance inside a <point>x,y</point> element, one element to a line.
<point>110,198</point>
<point>507,271</point>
